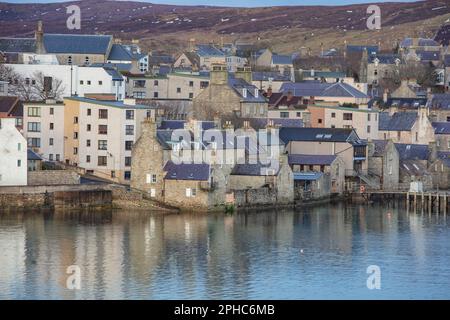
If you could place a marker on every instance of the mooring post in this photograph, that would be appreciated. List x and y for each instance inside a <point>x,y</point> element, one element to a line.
<point>407,201</point>
<point>415,201</point>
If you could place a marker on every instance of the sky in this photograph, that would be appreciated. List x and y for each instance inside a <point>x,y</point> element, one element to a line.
<point>237,3</point>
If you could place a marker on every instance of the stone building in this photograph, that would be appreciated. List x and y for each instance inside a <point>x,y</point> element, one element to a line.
<point>384,163</point>
<point>442,134</point>
<point>439,169</point>
<point>229,96</point>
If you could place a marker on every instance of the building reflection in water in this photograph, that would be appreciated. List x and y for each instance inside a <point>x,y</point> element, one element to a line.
<point>313,252</point>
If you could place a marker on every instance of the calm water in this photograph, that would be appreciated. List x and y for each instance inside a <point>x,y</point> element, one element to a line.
<point>312,253</point>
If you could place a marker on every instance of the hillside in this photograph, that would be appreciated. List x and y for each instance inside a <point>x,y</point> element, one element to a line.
<point>287,29</point>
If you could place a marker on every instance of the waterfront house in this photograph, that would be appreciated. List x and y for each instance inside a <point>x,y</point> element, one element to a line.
<point>440,170</point>
<point>99,135</point>
<point>413,165</point>
<point>317,176</point>
<point>442,135</point>
<point>44,128</point>
<point>383,163</point>
<point>13,154</point>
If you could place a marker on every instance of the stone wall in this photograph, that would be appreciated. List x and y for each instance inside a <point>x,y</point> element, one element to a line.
<point>255,197</point>
<point>52,177</point>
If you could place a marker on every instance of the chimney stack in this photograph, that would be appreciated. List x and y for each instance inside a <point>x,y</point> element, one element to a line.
<point>39,35</point>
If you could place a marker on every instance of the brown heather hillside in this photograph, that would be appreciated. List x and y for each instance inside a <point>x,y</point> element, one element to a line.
<point>169,27</point>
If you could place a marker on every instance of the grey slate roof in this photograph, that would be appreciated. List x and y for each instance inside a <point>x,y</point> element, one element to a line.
<point>384,58</point>
<point>311,159</point>
<point>256,169</point>
<point>429,55</point>
<point>408,103</point>
<point>370,49</point>
<point>412,151</point>
<point>318,89</point>
<point>22,45</point>
<point>317,134</point>
<point>413,168</point>
<point>31,155</point>
<point>187,171</point>
<point>265,75</point>
<point>206,50</point>
<point>281,59</point>
<point>118,52</point>
<point>407,42</point>
<point>75,43</point>
<point>441,127</point>
<point>399,121</point>
<point>239,85</point>
<point>172,124</point>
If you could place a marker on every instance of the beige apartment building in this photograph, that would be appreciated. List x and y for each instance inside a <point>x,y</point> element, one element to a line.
<point>44,128</point>
<point>363,120</point>
<point>99,135</point>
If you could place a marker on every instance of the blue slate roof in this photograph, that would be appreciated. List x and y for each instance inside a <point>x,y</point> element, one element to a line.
<point>206,50</point>
<point>114,73</point>
<point>407,42</point>
<point>407,103</point>
<point>187,171</point>
<point>399,121</point>
<point>384,58</point>
<point>318,89</point>
<point>261,123</point>
<point>15,45</point>
<point>317,134</point>
<point>172,124</point>
<point>31,155</point>
<point>119,66</point>
<point>307,176</point>
<point>265,75</point>
<point>413,167</point>
<point>429,55</point>
<point>75,43</point>
<point>379,147</point>
<point>281,59</point>
<point>323,74</point>
<point>118,52</point>
<point>412,151</point>
<point>439,101</point>
<point>239,85</point>
<point>110,103</point>
<point>447,60</point>
<point>370,49</point>
<point>307,159</point>
<point>441,127</point>
<point>256,169</point>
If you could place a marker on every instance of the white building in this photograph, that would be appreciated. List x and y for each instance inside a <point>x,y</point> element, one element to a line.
<point>13,154</point>
<point>235,62</point>
<point>43,127</point>
<point>75,80</point>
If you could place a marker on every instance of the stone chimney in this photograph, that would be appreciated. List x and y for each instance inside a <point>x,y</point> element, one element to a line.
<point>393,109</point>
<point>269,92</point>
<point>39,35</point>
<point>244,73</point>
<point>219,74</point>
<point>385,95</point>
<point>289,96</point>
<point>228,125</point>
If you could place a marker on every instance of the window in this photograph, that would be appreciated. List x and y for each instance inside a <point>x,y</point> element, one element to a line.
<point>19,163</point>
<point>127,175</point>
<point>50,156</point>
<point>129,130</point>
<point>81,82</point>
<point>129,114</point>
<point>448,144</point>
<point>113,174</point>
<point>178,90</point>
<point>204,84</point>
<point>284,114</point>
<point>34,142</point>
<point>139,95</point>
<point>52,111</point>
<point>191,95</point>
<point>368,117</point>
<point>399,135</point>
<point>89,82</point>
<point>52,126</point>
<point>88,143</point>
<point>155,94</point>
<point>348,116</point>
<point>127,161</point>
<point>75,150</point>
<point>88,127</point>
<point>100,82</point>
<point>333,114</point>
<point>75,120</point>
<point>299,114</point>
<point>89,112</point>
<point>151,178</point>
<point>102,161</point>
<point>34,127</point>
<point>88,159</point>
<point>57,157</point>
<point>50,141</point>
<point>417,136</point>
<point>103,114</point>
<point>191,192</point>
<point>128,145</point>
<point>19,147</point>
<point>102,129</point>
<point>319,120</point>
<point>155,82</point>
<point>75,135</point>
<point>34,112</point>
<point>191,83</point>
<point>102,145</point>
<point>368,129</point>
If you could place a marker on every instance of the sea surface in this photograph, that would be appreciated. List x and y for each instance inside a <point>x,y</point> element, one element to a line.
<point>312,253</point>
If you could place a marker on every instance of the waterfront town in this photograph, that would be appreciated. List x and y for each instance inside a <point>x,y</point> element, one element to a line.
<point>90,118</point>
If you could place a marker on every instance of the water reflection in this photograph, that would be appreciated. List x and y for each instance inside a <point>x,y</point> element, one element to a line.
<point>312,253</point>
